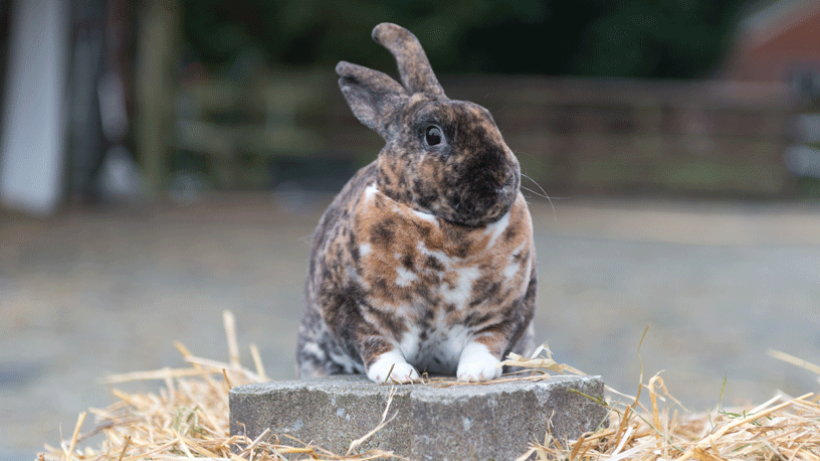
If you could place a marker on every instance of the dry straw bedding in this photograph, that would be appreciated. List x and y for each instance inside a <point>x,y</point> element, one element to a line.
<point>188,418</point>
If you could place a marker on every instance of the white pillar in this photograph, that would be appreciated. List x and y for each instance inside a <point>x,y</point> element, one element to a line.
<point>32,140</point>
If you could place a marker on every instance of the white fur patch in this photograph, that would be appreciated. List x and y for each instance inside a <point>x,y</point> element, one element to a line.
<point>409,345</point>
<point>402,372</point>
<point>349,365</point>
<point>425,216</point>
<point>314,349</point>
<point>370,191</point>
<point>514,266</point>
<point>459,295</point>
<point>511,270</point>
<point>364,249</point>
<point>405,277</point>
<point>477,364</point>
<point>453,346</point>
<point>439,255</point>
<point>495,229</point>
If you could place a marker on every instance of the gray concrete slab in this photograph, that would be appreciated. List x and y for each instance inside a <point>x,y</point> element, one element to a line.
<point>494,421</point>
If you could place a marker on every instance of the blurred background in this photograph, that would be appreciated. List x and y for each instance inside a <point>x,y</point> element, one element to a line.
<point>164,160</point>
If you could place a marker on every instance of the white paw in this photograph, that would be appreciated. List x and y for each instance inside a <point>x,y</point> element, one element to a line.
<point>477,364</point>
<point>392,363</point>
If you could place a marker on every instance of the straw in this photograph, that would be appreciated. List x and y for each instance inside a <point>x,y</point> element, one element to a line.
<point>189,419</point>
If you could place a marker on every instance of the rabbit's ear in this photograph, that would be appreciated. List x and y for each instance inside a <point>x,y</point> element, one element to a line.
<point>374,97</point>
<point>414,68</point>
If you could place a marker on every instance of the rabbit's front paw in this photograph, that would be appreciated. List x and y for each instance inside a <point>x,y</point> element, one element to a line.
<point>477,364</point>
<point>392,363</point>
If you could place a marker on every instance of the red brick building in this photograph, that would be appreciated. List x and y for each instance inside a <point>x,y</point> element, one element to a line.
<point>778,43</point>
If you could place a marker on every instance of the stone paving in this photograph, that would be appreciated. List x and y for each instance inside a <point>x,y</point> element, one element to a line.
<point>93,292</point>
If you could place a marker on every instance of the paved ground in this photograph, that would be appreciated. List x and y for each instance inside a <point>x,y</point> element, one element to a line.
<point>89,293</point>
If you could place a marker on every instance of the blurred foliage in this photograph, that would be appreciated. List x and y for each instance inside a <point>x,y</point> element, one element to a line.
<point>627,38</point>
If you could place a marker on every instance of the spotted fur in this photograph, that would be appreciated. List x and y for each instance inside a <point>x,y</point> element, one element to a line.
<point>425,260</point>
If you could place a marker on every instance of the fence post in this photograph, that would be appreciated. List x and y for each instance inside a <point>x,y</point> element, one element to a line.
<point>157,44</point>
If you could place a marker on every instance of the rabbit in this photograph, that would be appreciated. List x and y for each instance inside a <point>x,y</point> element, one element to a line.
<point>424,262</point>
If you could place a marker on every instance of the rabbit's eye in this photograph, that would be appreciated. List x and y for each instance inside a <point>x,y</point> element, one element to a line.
<point>432,135</point>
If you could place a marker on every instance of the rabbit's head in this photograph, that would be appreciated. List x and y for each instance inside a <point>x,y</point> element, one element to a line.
<point>442,156</point>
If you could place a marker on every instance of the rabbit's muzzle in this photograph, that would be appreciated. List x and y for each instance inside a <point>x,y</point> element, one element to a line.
<point>489,186</point>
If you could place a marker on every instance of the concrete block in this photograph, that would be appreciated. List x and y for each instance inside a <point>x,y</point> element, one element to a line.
<point>461,422</point>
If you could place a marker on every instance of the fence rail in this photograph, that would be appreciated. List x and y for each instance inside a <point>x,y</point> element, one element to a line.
<point>572,136</point>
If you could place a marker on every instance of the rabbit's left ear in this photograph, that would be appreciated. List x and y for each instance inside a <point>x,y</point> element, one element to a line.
<point>374,97</point>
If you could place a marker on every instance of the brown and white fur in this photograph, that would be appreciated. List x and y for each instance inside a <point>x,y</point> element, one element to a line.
<point>425,260</point>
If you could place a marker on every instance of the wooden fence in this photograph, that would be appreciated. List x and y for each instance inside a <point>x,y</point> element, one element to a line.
<point>572,136</point>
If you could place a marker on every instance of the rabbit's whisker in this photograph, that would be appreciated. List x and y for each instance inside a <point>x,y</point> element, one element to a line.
<point>535,158</point>
<point>543,194</point>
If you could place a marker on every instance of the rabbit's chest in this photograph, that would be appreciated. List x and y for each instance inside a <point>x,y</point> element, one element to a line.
<point>404,257</point>
<point>434,284</point>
